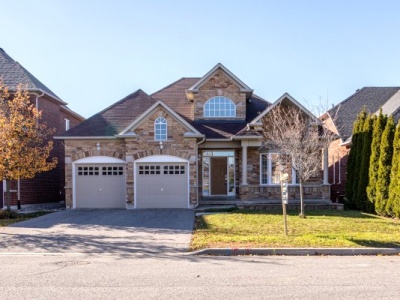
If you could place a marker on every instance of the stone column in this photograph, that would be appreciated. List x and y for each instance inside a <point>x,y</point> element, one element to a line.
<point>244,164</point>
<point>326,166</point>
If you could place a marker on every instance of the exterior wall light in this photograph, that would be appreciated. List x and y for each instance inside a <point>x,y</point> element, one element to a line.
<point>161,145</point>
<point>98,146</point>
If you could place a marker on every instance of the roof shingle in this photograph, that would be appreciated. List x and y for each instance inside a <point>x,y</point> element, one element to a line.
<point>114,118</point>
<point>12,74</point>
<point>345,113</point>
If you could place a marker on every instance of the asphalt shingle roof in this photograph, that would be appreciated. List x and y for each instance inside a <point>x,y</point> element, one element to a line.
<point>114,118</point>
<point>345,113</point>
<point>118,116</point>
<point>174,95</point>
<point>12,74</point>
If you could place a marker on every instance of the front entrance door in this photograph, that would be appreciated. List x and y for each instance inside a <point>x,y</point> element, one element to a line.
<point>219,176</point>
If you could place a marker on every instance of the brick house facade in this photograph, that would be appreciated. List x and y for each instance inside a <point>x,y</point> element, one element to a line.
<point>340,120</point>
<point>47,187</point>
<point>196,139</point>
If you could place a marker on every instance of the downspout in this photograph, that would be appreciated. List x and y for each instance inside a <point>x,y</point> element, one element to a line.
<point>197,170</point>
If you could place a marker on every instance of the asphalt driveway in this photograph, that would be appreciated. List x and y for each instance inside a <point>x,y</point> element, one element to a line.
<point>101,231</point>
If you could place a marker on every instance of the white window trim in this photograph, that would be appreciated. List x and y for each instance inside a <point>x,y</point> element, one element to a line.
<point>269,167</point>
<point>166,129</point>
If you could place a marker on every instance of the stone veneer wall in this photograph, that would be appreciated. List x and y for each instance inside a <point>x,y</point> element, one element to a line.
<point>220,85</point>
<point>131,149</point>
<point>313,189</point>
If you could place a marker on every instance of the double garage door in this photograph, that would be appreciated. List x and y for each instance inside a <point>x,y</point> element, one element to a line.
<point>157,184</point>
<point>161,185</point>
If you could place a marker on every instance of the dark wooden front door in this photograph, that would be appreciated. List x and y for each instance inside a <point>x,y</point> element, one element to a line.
<point>218,176</point>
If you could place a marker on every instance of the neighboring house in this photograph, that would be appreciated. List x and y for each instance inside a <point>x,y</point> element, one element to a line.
<point>341,119</point>
<point>196,139</point>
<point>48,186</point>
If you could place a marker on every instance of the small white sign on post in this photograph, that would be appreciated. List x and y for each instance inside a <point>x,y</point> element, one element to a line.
<point>285,198</point>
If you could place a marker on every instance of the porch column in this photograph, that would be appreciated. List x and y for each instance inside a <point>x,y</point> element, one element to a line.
<point>326,166</point>
<point>244,164</point>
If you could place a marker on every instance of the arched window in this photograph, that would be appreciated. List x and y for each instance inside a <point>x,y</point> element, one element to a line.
<point>160,129</point>
<point>219,107</point>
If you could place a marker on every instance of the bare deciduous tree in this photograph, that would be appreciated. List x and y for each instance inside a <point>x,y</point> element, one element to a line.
<point>301,137</point>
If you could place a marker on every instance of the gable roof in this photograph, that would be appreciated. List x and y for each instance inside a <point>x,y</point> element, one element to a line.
<point>243,87</point>
<point>126,113</point>
<point>114,118</point>
<point>150,110</point>
<point>12,74</point>
<point>174,95</point>
<point>345,113</point>
<point>284,98</point>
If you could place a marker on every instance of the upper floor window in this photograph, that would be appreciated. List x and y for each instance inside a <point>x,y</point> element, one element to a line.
<point>219,107</point>
<point>66,124</point>
<point>160,129</point>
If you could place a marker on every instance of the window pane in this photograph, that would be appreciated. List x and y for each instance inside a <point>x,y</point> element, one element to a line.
<point>219,107</point>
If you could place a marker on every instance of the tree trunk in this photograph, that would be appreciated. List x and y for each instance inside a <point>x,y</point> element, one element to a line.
<point>302,214</point>
<point>8,195</point>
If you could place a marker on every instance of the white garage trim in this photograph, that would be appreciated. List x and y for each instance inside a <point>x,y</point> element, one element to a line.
<point>93,160</point>
<point>162,160</point>
<point>99,160</point>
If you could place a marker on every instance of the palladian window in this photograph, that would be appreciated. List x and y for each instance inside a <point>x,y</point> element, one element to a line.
<point>160,129</point>
<point>219,107</point>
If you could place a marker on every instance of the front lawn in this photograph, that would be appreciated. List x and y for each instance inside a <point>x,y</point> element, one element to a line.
<point>16,217</point>
<point>328,229</point>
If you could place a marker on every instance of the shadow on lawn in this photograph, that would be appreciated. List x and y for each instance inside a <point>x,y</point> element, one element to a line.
<point>375,244</point>
<point>314,213</point>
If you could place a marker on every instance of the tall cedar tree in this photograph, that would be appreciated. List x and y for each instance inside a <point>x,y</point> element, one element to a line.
<point>385,161</point>
<point>379,127</point>
<point>364,168</point>
<point>353,163</point>
<point>393,205</point>
<point>24,144</point>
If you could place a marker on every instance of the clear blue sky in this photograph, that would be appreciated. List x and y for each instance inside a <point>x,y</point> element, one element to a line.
<point>93,53</point>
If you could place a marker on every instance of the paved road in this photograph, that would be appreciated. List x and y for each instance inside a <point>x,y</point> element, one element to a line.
<point>101,231</point>
<point>144,276</point>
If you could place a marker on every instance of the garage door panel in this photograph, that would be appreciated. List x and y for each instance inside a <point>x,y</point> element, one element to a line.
<point>100,186</point>
<point>162,186</point>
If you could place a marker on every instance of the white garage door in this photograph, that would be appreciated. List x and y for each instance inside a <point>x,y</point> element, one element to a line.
<point>100,186</point>
<point>162,185</point>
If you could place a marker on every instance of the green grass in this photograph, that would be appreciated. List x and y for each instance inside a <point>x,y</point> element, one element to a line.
<point>324,229</point>
<point>22,217</point>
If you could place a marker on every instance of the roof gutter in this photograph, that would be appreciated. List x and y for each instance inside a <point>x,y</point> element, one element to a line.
<point>84,137</point>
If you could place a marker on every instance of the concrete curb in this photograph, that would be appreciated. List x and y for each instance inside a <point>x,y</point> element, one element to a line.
<point>297,251</point>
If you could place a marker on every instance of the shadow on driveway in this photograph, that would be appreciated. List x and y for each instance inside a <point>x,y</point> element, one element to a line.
<point>101,231</point>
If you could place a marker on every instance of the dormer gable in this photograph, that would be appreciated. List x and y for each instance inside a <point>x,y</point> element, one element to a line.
<point>219,95</point>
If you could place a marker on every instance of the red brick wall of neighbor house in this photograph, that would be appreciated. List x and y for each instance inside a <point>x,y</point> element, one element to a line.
<point>48,187</point>
<point>338,156</point>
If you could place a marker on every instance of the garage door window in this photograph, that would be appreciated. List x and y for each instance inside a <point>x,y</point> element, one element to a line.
<point>158,170</point>
<point>149,170</point>
<point>88,171</point>
<point>112,171</point>
<point>174,170</point>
